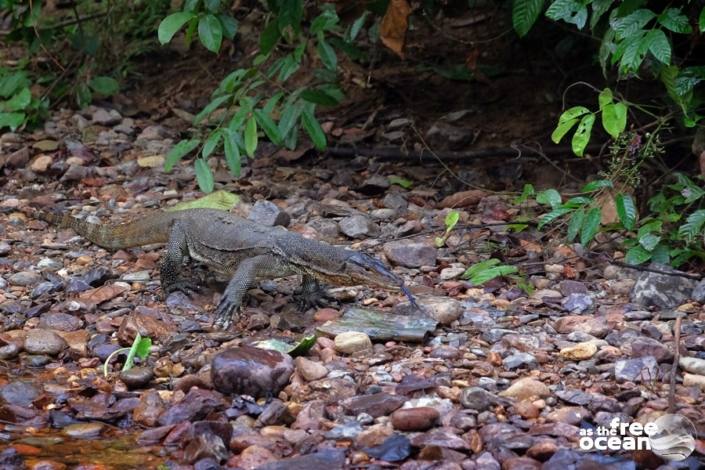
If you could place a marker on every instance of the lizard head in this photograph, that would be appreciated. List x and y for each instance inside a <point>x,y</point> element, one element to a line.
<point>364,269</point>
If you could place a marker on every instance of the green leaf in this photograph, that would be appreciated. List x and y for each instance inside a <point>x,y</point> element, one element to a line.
<point>10,84</point>
<point>576,222</point>
<point>635,49</point>
<point>590,226</point>
<point>211,143</point>
<point>232,153</point>
<point>210,32</point>
<point>251,136</point>
<point>220,200</point>
<point>659,46</point>
<point>83,95</point>
<point>605,98</point>
<point>140,348</point>
<point>479,267</point>
<point>570,11</point>
<point>289,116</point>
<point>204,176</point>
<point>599,8</point>
<point>313,129</point>
<point>319,97</point>
<point>674,20</point>
<point>210,107</point>
<point>268,126</point>
<point>661,254</point>
<point>324,22</point>
<point>229,25</point>
<point>652,226</point>
<point>272,102</point>
<point>526,193</point>
<point>171,24</point>
<point>649,241</point>
<point>614,119</point>
<point>693,227</point>
<point>451,220</point>
<point>549,197</point>
<point>562,129</point>
<point>18,102</point>
<point>178,151</point>
<point>628,25</point>
<point>106,86</point>
<point>582,134</point>
<point>701,21</point>
<point>327,54</point>
<point>626,210</point>
<point>358,24</point>
<point>572,113</point>
<point>596,185</point>
<point>524,15</point>
<point>143,347</point>
<point>578,201</point>
<point>269,38</point>
<point>637,255</point>
<point>484,271</point>
<point>399,181</point>
<point>298,349</point>
<point>12,120</point>
<point>553,215</point>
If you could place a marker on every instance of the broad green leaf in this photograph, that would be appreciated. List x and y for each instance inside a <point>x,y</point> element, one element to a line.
<point>549,197</point>
<point>143,347</point>
<point>575,224</point>
<point>675,20</point>
<point>452,219</point>
<point>659,45</point>
<point>327,54</point>
<point>578,201</point>
<point>590,227</point>
<point>268,126</point>
<point>210,107</point>
<point>229,25</point>
<point>572,113</point>
<point>526,193</point>
<point>635,49</point>
<point>596,185</point>
<point>599,8</point>
<point>492,273</point>
<point>693,227</point>
<point>570,11</point>
<point>10,84</point>
<point>358,24</point>
<point>582,134</point>
<point>553,215</point>
<point>210,32</point>
<point>211,143</point>
<point>269,38</point>
<point>232,153</point>
<point>212,5</point>
<point>605,98</point>
<point>628,25</point>
<point>220,200</point>
<point>626,210</point>
<point>661,254</point>
<point>324,22</point>
<point>637,255</point>
<point>251,136</point>
<point>289,116</point>
<point>178,151</point>
<point>614,119</point>
<point>18,102</point>
<point>562,129</point>
<point>106,86</point>
<point>171,24</point>
<point>524,15</point>
<point>649,241</point>
<point>399,181</point>
<point>11,120</point>
<point>652,226</point>
<point>313,129</point>
<point>204,175</point>
<point>479,267</point>
<point>319,97</point>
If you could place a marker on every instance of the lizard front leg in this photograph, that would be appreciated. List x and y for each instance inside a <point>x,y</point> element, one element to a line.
<point>244,278</point>
<point>176,251</point>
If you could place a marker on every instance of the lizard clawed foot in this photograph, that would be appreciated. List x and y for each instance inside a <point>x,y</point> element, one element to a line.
<point>306,300</point>
<point>224,314</point>
<point>185,287</point>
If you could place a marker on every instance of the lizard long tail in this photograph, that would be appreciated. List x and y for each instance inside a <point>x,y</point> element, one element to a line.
<point>153,229</point>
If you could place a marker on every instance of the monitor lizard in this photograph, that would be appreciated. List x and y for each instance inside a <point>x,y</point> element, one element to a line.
<point>239,248</point>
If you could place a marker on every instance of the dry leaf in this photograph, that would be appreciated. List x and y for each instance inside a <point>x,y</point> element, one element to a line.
<point>394,24</point>
<point>608,208</point>
<point>463,199</point>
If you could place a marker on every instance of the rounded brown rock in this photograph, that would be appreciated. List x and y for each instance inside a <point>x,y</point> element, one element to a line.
<point>415,419</point>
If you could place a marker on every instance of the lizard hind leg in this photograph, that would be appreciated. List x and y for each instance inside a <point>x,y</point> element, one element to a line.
<point>310,294</point>
<point>244,278</point>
